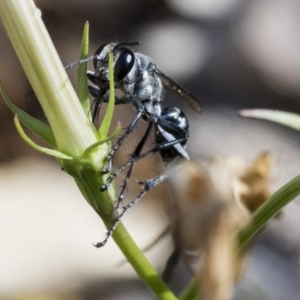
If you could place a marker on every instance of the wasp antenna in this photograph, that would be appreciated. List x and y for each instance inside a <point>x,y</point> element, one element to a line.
<point>134,43</point>
<point>78,62</point>
<point>120,45</point>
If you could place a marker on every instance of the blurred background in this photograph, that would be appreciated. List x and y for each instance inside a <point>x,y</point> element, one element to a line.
<point>231,55</point>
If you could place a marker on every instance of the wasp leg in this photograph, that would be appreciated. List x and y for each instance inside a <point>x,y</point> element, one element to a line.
<point>128,131</point>
<point>135,153</point>
<point>148,185</point>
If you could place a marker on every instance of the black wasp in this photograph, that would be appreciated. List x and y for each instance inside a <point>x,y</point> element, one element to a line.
<point>141,84</point>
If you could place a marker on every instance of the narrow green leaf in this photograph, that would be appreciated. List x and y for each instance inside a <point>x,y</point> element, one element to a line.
<point>47,151</point>
<point>82,87</point>
<point>269,209</point>
<point>39,128</point>
<point>104,128</point>
<point>114,135</point>
<point>285,118</point>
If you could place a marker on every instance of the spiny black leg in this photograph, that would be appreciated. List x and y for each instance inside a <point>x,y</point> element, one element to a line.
<point>124,185</point>
<point>96,108</point>
<point>113,175</point>
<point>148,185</point>
<point>168,140</point>
<point>98,95</point>
<point>135,153</point>
<point>120,141</point>
<point>134,160</point>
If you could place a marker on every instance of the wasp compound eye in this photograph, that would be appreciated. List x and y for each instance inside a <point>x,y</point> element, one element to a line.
<point>124,64</point>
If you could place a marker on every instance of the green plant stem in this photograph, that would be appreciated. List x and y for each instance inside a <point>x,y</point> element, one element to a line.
<point>47,75</point>
<point>72,129</point>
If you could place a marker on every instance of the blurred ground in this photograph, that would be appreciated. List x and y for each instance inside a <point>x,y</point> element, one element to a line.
<point>230,54</point>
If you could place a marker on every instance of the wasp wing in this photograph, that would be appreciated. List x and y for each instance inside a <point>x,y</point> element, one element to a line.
<point>174,87</point>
